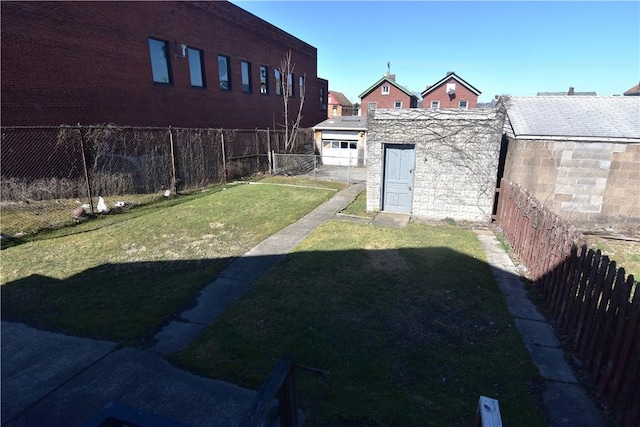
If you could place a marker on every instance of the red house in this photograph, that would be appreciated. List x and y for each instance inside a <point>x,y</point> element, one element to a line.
<point>450,92</point>
<point>386,93</point>
<point>185,64</point>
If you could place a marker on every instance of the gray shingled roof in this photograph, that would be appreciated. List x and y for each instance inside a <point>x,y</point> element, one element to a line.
<point>596,117</point>
<point>343,123</point>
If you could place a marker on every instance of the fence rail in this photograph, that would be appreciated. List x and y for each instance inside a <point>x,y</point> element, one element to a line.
<point>594,306</point>
<point>53,170</point>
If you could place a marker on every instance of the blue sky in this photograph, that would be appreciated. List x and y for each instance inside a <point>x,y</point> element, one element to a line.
<point>502,47</point>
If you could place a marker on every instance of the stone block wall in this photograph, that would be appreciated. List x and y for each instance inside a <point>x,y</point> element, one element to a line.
<point>591,184</point>
<point>456,160</point>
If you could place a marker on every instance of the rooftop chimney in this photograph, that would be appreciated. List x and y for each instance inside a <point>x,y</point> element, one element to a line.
<point>450,72</point>
<point>571,91</point>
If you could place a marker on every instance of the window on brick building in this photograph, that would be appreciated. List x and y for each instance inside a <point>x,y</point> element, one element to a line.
<point>278,77</point>
<point>463,104</point>
<point>245,68</point>
<point>301,84</point>
<point>159,53</point>
<point>397,104</point>
<point>385,90</point>
<point>290,87</point>
<point>323,102</point>
<point>224,74</point>
<point>196,67</point>
<point>264,79</point>
<point>372,106</point>
<point>435,104</point>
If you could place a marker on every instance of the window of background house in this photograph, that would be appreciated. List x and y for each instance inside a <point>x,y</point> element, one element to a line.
<point>385,90</point>
<point>301,85</point>
<point>224,73</point>
<point>245,68</point>
<point>159,53</point>
<point>435,104</point>
<point>290,91</point>
<point>264,79</point>
<point>372,105</point>
<point>397,104</point>
<point>463,104</point>
<point>196,69</point>
<point>334,111</point>
<point>278,77</point>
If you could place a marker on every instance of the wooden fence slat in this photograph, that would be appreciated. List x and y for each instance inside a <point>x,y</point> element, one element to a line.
<point>585,334</point>
<point>623,338</point>
<point>582,317</point>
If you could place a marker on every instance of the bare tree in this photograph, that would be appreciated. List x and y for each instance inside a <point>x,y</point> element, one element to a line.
<point>288,89</point>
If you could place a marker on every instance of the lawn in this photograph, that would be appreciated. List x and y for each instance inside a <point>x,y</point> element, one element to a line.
<point>126,274</point>
<point>409,322</point>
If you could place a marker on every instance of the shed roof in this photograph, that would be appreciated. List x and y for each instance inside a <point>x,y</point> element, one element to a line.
<point>583,117</point>
<point>358,123</point>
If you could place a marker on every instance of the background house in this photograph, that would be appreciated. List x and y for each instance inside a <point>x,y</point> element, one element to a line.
<point>341,140</point>
<point>187,64</point>
<point>634,91</point>
<point>450,92</point>
<point>386,93</point>
<point>434,164</point>
<point>339,105</point>
<point>578,155</point>
<point>570,92</point>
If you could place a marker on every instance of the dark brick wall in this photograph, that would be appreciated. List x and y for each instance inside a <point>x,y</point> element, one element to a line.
<point>88,62</point>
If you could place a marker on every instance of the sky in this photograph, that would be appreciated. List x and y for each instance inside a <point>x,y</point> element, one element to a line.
<point>500,47</point>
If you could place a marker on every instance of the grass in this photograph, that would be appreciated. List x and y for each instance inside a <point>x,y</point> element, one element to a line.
<point>359,207</point>
<point>625,253</point>
<point>409,322</point>
<point>124,277</point>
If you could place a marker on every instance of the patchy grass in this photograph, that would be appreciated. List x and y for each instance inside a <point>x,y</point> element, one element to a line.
<point>625,253</point>
<point>359,207</point>
<point>409,322</point>
<point>122,280</point>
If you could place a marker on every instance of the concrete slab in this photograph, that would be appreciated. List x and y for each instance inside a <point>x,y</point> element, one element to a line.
<point>537,332</point>
<point>147,382</point>
<point>388,219</point>
<point>35,363</point>
<point>551,364</point>
<point>176,336</point>
<point>570,406</point>
<point>521,307</point>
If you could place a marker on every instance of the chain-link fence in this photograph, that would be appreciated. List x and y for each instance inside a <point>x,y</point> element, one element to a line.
<point>328,168</point>
<point>49,172</point>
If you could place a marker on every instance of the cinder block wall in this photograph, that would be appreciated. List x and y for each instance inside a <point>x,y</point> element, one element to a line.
<point>456,165</point>
<point>591,184</point>
<point>89,62</point>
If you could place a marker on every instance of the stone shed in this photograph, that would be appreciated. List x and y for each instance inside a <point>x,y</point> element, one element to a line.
<point>578,155</point>
<point>434,164</point>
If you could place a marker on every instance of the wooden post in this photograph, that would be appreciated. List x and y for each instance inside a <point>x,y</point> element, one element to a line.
<point>224,158</point>
<point>86,169</point>
<point>269,150</point>
<point>288,408</point>
<point>173,163</point>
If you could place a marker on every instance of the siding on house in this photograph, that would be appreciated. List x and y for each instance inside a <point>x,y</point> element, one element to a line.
<point>89,62</point>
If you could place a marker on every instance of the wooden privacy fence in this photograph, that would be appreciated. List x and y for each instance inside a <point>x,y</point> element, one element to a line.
<point>594,306</point>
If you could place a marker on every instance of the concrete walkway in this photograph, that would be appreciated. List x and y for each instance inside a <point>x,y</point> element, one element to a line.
<point>564,398</point>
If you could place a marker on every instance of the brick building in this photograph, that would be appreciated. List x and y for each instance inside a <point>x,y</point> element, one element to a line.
<point>339,105</point>
<point>386,93</point>
<point>450,92</point>
<point>185,64</point>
